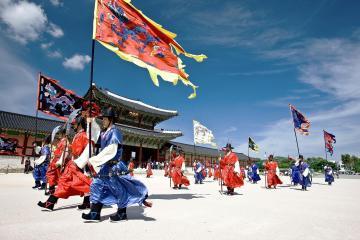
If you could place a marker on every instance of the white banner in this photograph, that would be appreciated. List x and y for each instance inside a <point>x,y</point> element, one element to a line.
<point>202,135</point>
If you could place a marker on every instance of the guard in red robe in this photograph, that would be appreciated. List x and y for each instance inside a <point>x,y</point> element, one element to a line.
<point>216,171</point>
<point>271,167</point>
<point>177,167</point>
<point>148,170</point>
<point>53,172</point>
<point>131,167</point>
<point>166,169</point>
<point>230,170</point>
<point>73,182</point>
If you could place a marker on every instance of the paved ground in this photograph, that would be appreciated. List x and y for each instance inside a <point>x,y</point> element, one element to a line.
<point>199,212</point>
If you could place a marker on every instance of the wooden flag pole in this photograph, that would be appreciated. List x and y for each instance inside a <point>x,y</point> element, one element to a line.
<point>297,143</point>
<point>325,145</point>
<point>90,91</point>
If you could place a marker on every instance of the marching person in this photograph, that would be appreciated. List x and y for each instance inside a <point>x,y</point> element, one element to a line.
<point>41,165</point>
<point>272,169</point>
<point>199,172</point>
<point>216,171</point>
<point>53,172</point>
<point>255,177</point>
<point>329,175</point>
<point>295,173</point>
<point>177,168</point>
<point>230,169</point>
<point>148,169</point>
<point>131,167</point>
<point>73,182</point>
<point>305,173</point>
<point>113,184</point>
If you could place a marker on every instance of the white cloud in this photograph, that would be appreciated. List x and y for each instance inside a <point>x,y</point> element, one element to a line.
<point>46,46</point>
<point>49,52</point>
<point>56,3</point>
<point>77,62</point>
<point>55,31</point>
<point>18,83</point>
<point>54,54</point>
<point>26,21</point>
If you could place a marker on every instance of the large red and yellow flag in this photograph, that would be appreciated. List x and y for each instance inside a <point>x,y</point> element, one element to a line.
<point>126,31</point>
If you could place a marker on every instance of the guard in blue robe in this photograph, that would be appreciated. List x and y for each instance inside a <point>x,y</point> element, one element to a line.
<point>199,176</point>
<point>295,174</point>
<point>41,165</point>
<point>329,175</point>
<point>305,173</point>
<point>113,184</point>
<point>255,173</point>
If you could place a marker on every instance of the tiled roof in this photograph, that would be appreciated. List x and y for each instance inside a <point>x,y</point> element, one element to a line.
<point>188,148</point>
<point>25,123</point>
<point>133,104</point>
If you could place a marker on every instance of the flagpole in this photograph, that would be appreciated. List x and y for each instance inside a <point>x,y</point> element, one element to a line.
<point>297,143</point>
<point>325,145</point>
<point>90,90</point>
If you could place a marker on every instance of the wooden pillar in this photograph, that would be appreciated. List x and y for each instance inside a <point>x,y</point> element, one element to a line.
<point>140,155</point>
<point>26,139</point>
<point>158,153</point>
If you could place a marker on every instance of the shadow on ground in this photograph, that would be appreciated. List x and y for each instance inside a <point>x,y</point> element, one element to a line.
<point>133,213</point>
<point>185,196</point>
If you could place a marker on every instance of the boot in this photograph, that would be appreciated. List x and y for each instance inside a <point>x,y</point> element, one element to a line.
<point>42,187</point>
<point>51,190</point>
<point>94,214</point>
<point>85,204</point>
<point>37,184</point>
<point>49,204</point>
<point>119,216</point>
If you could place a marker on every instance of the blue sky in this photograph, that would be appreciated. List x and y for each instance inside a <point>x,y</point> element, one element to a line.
<point>262,55</point>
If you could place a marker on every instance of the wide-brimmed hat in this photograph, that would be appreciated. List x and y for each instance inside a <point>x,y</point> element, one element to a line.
<point>108,112</point>
<point>228,146</point>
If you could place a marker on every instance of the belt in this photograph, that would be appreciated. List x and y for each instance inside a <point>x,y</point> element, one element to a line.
<point>111,174</point>
<point>232,165</point>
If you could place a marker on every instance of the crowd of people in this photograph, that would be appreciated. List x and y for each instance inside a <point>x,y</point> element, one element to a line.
<point>94,169</point>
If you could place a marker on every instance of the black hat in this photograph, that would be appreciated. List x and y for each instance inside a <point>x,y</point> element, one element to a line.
<point>228,146</point>
<point>108,112</point>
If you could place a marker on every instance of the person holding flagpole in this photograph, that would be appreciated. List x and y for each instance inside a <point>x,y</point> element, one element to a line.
<point>112,184</point>
<point>305,173</point>
<point>230,170</point>
<point>73,181</point>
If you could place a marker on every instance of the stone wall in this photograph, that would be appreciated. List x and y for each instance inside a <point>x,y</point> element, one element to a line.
<point>11,164</point>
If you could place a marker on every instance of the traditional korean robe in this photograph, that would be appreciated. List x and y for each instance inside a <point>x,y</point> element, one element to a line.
<point>329,176</point>
<point>295,174</point>
<point>272,177</point>
<point>148,170</point>
<point>131,168</point>
<point>199,172</point>
<point>255,177</point>
<point>177,166</point>
<point>230,171</point>
<point>305,175</point>
<point>113,183</point>
<point>216,172</point>
<point>53,172</point>
<point>73,181</point>
<point>41,164</point>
